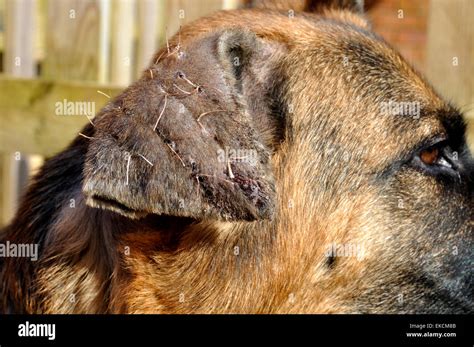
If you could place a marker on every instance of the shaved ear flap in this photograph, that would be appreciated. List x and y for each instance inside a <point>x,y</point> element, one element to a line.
<point>181,142</point>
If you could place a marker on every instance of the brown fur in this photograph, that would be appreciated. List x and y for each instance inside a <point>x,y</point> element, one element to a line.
<point>330,169</point>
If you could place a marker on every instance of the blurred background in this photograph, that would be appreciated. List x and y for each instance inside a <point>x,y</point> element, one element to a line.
<point>60,51</point>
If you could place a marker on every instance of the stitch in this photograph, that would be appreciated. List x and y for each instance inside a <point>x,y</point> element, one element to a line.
<point>198,119</point>
<point>175,153</point>
<point>167,42</point>
<point>101,92</point>
<point>90,120</point>
<point>181,90</point>
<point>87,137</point>
<point>128,167</point>
<point>159,57</point>
<point>161,113</point>
<point>149,162</point>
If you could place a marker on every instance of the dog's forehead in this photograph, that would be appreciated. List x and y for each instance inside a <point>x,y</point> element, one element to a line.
<point>369,92</point>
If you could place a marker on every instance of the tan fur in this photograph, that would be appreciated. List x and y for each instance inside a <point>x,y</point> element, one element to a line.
<point>286,272</point>
<point>337,168</point>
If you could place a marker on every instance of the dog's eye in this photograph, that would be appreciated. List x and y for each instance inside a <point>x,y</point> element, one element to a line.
<point>430,156</point>
<point>436,156</point>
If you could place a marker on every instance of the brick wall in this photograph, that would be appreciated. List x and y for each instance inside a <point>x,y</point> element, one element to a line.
<point>403,23</point>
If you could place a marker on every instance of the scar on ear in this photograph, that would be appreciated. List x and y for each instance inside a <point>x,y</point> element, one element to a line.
<point>218,178</point>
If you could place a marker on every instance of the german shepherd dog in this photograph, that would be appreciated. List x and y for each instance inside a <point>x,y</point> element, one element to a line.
<point>276,159</point>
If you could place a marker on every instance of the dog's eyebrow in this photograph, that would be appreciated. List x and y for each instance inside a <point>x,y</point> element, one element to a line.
<point>445,124</point>
<point>455,125</point>
<point>454,132</point>
<point>405,156</point>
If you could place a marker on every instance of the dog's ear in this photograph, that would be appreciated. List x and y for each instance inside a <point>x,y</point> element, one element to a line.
<point>181,140</point>
<point>309,5</point>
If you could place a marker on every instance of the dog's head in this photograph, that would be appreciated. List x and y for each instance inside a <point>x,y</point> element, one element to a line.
<point>313,123</point>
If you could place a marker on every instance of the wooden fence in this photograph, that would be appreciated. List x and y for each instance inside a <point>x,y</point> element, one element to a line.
<point>69,50</point>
